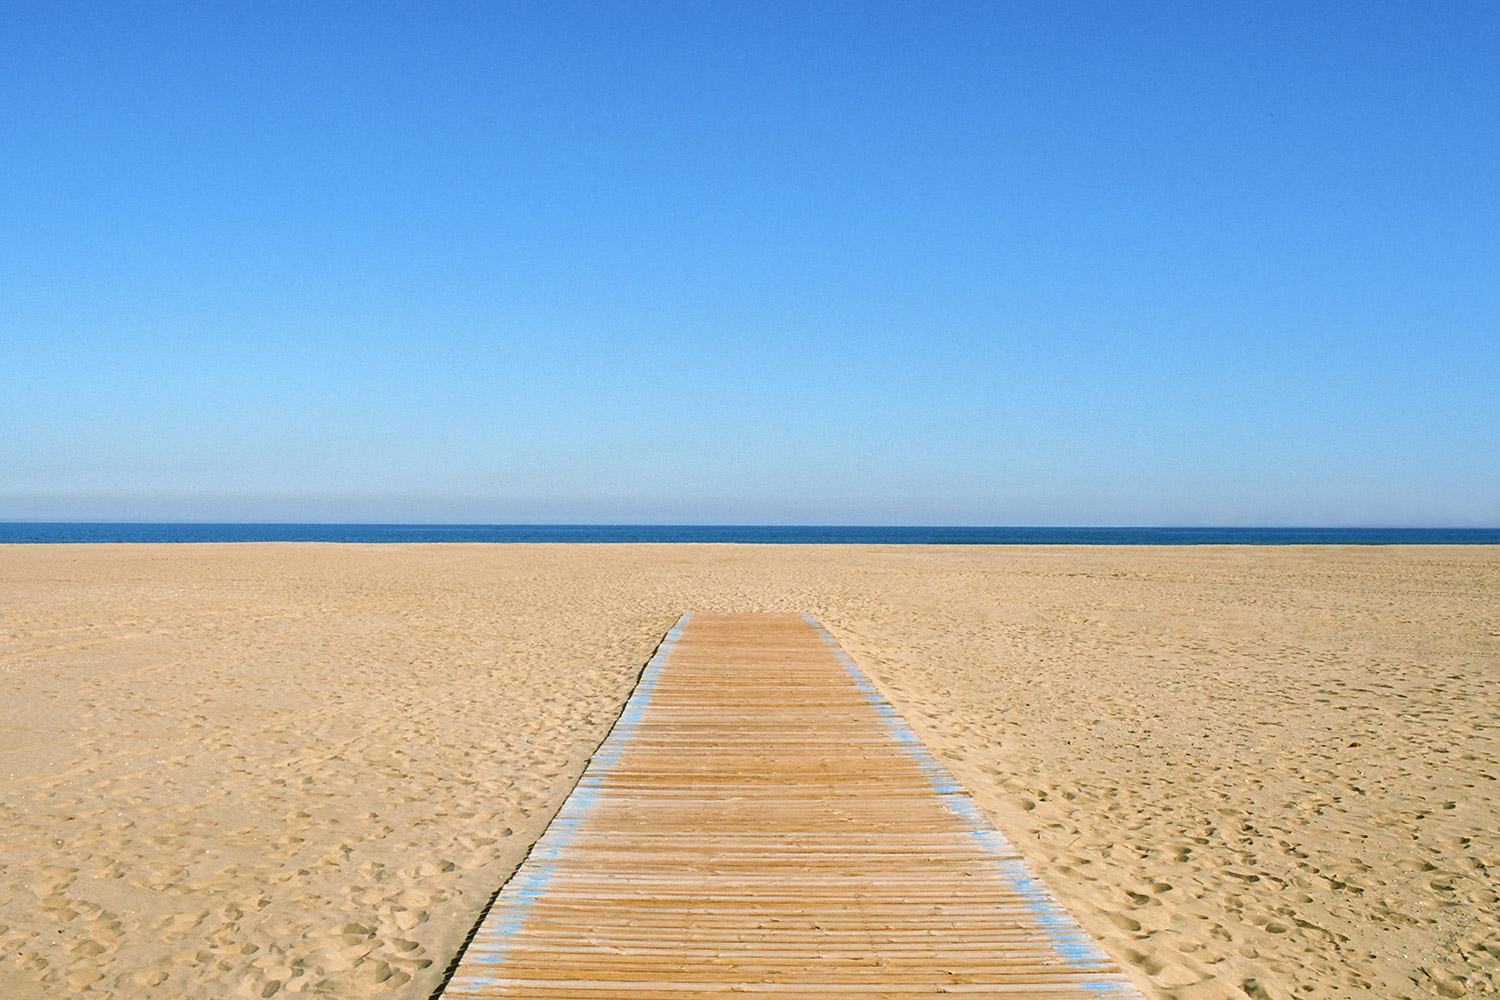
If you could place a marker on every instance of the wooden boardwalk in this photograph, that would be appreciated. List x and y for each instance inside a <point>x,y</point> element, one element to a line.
<point>761,821</point>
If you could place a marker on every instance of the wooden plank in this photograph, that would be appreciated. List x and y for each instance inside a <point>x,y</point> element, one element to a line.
<point>760,820</point>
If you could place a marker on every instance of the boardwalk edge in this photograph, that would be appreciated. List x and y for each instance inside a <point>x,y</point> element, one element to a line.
<point>529,878</point>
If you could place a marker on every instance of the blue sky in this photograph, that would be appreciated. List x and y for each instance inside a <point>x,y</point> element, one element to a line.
<point>989,263</point>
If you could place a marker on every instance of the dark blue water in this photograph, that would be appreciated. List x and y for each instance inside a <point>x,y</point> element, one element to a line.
<point>44,532</point>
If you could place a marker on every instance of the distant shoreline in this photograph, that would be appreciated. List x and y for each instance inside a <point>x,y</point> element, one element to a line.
<point>88,532</point>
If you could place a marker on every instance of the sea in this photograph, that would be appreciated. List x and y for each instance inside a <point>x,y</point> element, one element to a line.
<point>45,532</point>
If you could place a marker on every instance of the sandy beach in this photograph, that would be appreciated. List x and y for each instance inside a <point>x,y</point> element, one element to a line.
<point>265,770</point>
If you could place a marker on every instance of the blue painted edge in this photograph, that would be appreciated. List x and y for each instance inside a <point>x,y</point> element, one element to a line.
<point>530,880</point>
<point>1071,942</point>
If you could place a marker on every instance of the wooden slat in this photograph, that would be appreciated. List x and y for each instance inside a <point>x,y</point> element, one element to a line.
<point>762,821</point>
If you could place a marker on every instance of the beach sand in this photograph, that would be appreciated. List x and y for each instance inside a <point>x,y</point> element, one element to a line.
<point>263,770</point>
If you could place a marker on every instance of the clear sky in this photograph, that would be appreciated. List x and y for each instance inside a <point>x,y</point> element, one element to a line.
<point>979,263</point>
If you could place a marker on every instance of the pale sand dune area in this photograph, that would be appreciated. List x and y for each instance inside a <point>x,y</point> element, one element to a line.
<point>281,769</point>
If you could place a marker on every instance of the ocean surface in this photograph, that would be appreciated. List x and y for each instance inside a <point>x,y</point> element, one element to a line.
<point>56,532</point>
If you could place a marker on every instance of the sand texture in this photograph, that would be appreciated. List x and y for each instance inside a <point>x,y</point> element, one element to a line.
<point>264,770</point>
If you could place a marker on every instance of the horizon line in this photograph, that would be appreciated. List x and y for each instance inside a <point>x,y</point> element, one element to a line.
<point>773,524</point>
